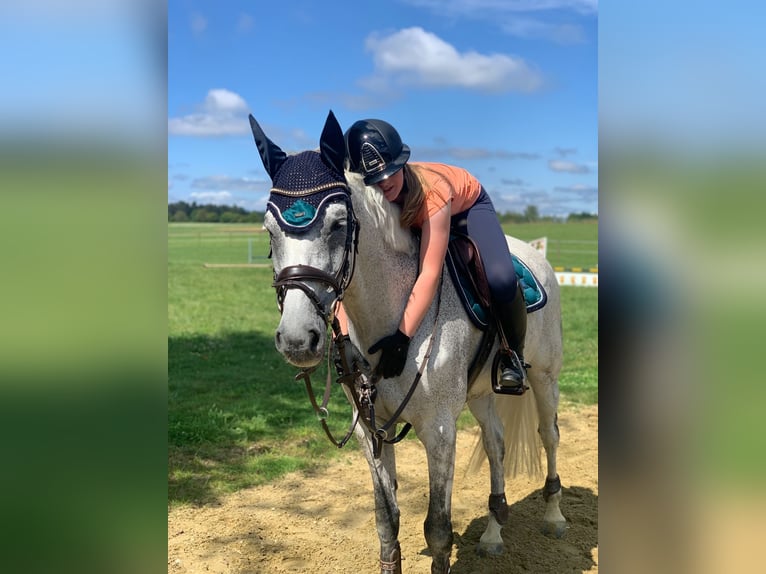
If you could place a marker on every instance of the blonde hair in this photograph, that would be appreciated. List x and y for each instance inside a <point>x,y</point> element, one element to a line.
<point>382,213</point>
<point>416,195</point>
<point>413,203</point>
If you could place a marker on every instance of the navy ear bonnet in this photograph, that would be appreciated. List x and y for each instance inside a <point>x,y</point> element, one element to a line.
<point>305,183</point>
<point>303,187</point>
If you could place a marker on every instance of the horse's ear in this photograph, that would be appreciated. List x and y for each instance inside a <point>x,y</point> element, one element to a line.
<point>332,146</point>
<point>271,154</point>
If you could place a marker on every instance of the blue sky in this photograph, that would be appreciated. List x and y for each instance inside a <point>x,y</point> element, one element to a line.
<point>505,88</point>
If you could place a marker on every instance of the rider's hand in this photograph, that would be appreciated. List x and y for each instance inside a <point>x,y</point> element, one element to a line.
<point>351,355</point>
<point>394,354</point>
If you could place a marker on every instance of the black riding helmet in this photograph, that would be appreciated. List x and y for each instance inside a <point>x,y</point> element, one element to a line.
<point>375,150</point>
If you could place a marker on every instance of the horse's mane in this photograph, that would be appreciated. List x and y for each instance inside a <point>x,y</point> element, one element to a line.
<point>384,214</point>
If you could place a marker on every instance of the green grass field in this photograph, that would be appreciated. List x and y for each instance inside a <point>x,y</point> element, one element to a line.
<point>236,416</point>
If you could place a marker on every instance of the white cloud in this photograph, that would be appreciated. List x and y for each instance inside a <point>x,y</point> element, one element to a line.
<point>466,153</point>
<point>245,23</point>
<point>416,57</point>
<point>505,154</point>
<point>567,166</point>
<point>226,183</point>
<point>584,192</point>
<point>222,113</point>
<point>198,23</point>
<point>221,100</point>
<point>531,28</point>
<point>212,197</point>
<point>500,6</point>
<point>512,16</point>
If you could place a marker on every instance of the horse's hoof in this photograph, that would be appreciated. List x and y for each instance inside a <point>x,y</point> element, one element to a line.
<point>554,529</point>
<point>490,549</point>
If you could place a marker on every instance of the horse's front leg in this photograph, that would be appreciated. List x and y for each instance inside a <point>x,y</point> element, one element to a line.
<point>383,472</point>
<point>439,441</point>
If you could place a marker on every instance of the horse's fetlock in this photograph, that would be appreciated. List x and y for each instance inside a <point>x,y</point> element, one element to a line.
<point>498,506</point>
<point>439,535</point>
<point>552,486</point>
<point>393,563</point>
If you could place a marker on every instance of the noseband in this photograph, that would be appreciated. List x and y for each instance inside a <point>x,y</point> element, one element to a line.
<point>298,276</point>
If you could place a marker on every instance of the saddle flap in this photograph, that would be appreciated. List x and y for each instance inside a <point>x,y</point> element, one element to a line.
<point>465,254</point>
<point>465,266</point>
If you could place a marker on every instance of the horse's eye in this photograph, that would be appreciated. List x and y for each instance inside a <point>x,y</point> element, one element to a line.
<point>337,226</point>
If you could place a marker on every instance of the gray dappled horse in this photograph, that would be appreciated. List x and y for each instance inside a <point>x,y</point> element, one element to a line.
<point>315,212</point>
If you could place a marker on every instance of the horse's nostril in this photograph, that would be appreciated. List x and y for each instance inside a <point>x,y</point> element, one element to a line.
<point>314,339</point>
<point>278,338</point>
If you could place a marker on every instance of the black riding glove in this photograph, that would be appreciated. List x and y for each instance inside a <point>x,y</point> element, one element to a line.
<point>394,354</point>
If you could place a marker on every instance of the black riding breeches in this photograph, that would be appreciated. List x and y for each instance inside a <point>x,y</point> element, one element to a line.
<point>481,224</point>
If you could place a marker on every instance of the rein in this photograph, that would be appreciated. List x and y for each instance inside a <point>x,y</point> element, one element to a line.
<point>363,396</point>
<point>380,435</point>
<point>321,410</point>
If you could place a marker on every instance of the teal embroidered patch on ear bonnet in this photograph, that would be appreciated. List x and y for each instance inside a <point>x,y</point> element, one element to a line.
<point>300,213</point>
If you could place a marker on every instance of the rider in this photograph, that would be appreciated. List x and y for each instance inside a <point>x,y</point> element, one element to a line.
<point>433,198</point>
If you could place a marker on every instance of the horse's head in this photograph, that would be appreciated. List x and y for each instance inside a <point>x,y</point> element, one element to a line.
<point>312,229</point>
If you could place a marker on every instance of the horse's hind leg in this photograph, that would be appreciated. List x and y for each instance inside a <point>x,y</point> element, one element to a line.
<point>547,396</point>
<point>483,408</point>
<point>383,472</point>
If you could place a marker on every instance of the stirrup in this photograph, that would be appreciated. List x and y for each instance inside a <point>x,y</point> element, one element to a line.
<point>517,366</point>
<point>515,390</point>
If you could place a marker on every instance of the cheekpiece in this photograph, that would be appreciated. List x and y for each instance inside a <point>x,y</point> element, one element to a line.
<point>302,188</point>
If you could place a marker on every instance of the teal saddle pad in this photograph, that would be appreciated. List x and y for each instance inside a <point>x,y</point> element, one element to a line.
<point>534,295</point>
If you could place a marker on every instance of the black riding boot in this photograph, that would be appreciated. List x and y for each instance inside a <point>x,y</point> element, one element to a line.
<point>512,318</point>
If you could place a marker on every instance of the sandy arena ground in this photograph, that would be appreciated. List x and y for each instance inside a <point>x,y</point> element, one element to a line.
<point>324,523</point>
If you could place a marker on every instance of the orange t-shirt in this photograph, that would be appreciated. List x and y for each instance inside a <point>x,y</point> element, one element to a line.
<point>448,191</point>
<point>443,184</point>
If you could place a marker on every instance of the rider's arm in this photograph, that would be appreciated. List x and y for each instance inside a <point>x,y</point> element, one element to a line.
<point>340,314</point>
<point>433,249</point>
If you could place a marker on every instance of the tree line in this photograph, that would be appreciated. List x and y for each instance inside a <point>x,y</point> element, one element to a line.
<point>181,211</point>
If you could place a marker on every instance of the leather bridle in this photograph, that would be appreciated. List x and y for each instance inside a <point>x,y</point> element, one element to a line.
<point>299,276</point>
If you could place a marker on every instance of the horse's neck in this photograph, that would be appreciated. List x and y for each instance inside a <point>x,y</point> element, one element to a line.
<point>383,277</point>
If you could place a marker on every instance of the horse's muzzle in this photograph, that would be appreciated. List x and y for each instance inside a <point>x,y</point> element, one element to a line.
<point>302,345</point>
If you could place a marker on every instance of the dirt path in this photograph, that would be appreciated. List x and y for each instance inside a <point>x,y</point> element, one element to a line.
<point>325,524</point>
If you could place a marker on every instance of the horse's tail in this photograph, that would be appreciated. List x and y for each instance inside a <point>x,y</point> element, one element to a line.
<point>522,442</point>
